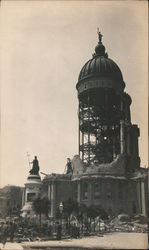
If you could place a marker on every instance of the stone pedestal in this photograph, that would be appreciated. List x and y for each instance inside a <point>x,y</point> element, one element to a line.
<point>32,192</point>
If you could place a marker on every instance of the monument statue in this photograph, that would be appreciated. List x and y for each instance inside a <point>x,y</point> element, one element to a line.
<point>35,167</point>
<point>69,166</point>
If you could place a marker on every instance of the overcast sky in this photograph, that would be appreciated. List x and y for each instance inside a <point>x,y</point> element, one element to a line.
<point>44,45</point>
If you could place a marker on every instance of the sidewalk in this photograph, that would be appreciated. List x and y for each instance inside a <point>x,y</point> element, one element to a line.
<point>108,241</point>
<point>11,246</point>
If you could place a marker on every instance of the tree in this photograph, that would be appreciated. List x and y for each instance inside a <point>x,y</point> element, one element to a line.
<point>82,213</point>
<point>92,213</point>
<point>69,206</point>
<point>41,206</point>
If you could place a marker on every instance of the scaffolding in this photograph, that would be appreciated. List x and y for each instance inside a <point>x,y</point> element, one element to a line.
<point>99,125</point>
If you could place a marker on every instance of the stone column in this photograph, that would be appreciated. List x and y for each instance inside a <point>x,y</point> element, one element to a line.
<point>121,105</point>
<point>129,115</point>
<point>79,192</point>
<point>49,191</point>
<point>128,143</point>
<point>23,197</point>
<point>139,196</point>
<point>53,199</point>
<point>122,136</point>
<point>143,198</point>
<point>114,142</point>
<point>90,193</point>
<point>88,127</point>
<point>49,196</point>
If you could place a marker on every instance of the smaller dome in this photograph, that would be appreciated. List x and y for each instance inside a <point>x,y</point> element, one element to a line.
<point>100,49</point>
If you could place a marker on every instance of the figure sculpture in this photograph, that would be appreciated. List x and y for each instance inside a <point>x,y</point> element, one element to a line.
<point>69,166</point>
<point>35,167</point>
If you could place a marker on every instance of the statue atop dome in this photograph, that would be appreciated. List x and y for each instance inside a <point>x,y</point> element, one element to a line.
<point>69,166</point>
<point>35,167</point>
<point>99,35</point>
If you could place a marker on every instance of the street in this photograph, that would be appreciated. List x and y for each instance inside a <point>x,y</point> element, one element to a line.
<point>108,241</point>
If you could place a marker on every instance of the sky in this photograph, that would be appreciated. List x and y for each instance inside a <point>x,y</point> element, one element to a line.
<point>44,45</point>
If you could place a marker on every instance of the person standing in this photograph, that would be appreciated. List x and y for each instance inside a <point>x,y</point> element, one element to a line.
<point>59,232</point>
<point>4,233</point>
<point>12,231</point>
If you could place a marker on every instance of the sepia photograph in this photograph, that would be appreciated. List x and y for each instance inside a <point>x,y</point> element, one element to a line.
<point>74,124</point>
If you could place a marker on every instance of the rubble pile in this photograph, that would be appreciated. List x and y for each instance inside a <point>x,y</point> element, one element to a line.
<point>123,223</point>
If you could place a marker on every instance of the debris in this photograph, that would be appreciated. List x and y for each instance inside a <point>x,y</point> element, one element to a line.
<point>123,223</point>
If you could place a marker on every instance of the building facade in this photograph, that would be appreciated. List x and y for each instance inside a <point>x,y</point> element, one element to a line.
<point>111,176</point>
<point>107,171</point>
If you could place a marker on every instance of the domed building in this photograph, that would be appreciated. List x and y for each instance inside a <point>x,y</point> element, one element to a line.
<point>104,110</point>
<point>107,171</point>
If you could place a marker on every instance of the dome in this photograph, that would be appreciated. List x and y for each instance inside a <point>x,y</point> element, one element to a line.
<point>100,66</point>
<point>103,67</point>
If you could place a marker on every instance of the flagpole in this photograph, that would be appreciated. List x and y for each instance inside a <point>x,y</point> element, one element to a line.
<point>28,155</point>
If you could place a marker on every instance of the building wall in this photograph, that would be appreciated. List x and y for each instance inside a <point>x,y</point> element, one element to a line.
<point>58,191</point>
<point>115,196</point>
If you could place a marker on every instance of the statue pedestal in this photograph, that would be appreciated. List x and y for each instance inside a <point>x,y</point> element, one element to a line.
<point>33,187</point>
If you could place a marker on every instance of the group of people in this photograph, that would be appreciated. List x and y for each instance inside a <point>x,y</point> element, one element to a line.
<point>17,231</point>
<point>7,230</point>
<point>74,231</point>
<point>23,230</point>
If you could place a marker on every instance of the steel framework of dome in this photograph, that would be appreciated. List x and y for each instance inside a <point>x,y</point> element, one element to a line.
<point>104,109</point>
